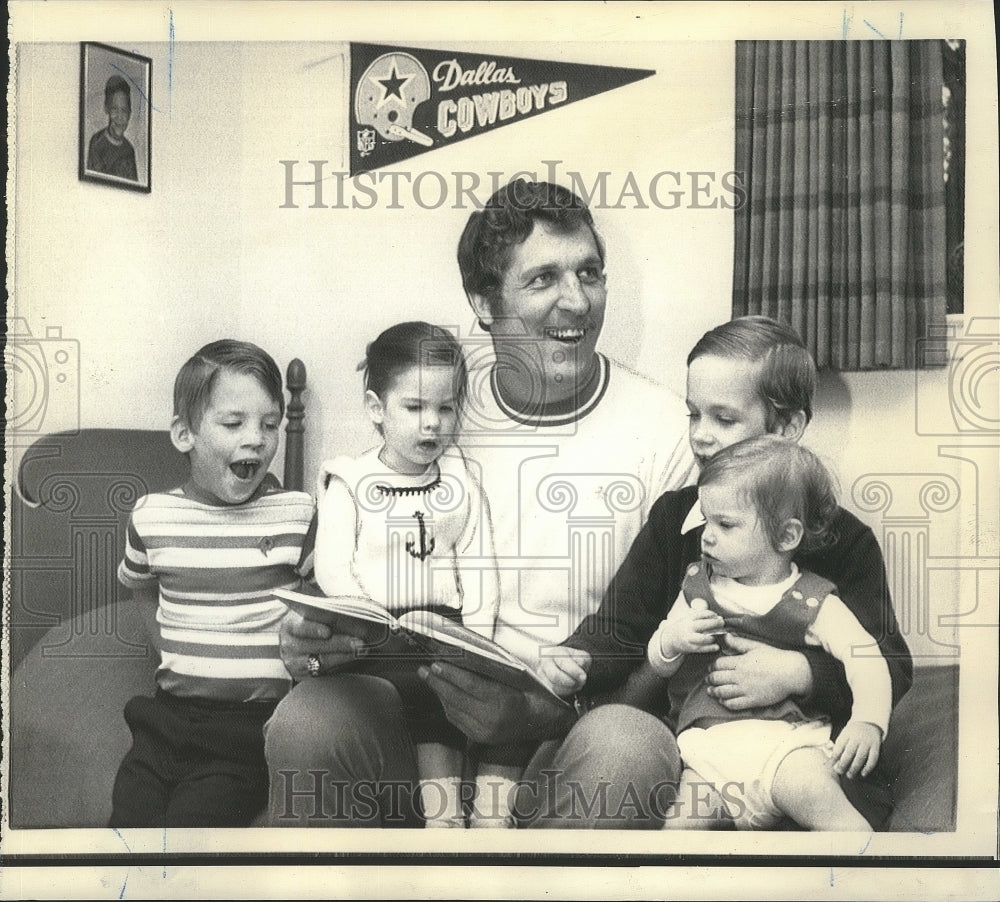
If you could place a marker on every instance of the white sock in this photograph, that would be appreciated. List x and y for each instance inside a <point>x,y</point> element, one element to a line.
<point>442,802</point>
<point>494,799</point>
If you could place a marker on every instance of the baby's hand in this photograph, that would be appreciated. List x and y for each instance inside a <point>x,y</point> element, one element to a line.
<point>693,631</point>
<point>564,669</point>
<point>857,749</point>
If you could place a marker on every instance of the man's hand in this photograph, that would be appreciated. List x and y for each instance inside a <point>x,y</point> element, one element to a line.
<point>300,638</point>
<point>491,712</point>
<point>857,749</point>
<point>754,674</point>
<point>565,669</point>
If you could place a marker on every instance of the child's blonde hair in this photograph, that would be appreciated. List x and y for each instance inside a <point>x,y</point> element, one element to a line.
<point>787,373</point>
<point>196,379</point>
<point>782,480</point>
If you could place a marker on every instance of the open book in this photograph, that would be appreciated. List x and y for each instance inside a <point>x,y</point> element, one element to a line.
<point>416,637</point>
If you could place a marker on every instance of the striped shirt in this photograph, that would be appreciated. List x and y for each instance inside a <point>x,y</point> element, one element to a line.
<point>216,567</point>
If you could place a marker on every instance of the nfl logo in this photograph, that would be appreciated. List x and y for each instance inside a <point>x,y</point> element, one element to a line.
<point>366,141</point>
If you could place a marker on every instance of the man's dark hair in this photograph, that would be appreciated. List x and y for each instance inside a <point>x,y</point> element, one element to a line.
<point>507,220</point>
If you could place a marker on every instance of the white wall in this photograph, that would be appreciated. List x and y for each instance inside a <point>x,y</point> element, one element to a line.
<point>141,281</point>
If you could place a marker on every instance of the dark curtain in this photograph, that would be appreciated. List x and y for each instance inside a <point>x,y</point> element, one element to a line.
<point>843,231</point>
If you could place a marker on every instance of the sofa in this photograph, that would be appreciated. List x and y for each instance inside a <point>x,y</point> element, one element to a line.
<point>79,650</point>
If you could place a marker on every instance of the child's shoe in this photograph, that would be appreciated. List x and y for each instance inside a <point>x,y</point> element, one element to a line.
<point>480,821</point>
<point>456,822</point>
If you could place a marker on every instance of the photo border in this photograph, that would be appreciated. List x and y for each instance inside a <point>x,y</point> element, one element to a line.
<point>874,876</point>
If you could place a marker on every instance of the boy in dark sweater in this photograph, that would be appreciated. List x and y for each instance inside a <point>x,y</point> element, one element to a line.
<point>748,377</point>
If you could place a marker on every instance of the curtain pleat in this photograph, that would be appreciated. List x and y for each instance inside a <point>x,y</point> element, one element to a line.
<point>900,173</point>
<point>842,234</point>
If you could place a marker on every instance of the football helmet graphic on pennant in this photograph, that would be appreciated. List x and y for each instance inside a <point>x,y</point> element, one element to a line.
<point>388,94</point>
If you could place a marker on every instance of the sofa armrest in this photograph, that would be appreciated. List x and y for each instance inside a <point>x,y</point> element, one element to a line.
<point>921,752</point>
<point>68,735</point>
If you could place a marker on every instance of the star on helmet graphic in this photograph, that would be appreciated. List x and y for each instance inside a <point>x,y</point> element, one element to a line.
<point>392,84</point>
<point>388,95</point>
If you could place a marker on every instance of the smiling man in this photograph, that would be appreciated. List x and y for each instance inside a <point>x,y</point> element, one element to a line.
<point>572,450</point>
<point>574,447</point>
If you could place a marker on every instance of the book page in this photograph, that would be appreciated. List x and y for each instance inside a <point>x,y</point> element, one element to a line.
<point>348,605</point>
<point>435,625</point>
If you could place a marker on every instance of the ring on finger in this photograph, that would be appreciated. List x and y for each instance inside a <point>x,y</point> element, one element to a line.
<point>313,665</point>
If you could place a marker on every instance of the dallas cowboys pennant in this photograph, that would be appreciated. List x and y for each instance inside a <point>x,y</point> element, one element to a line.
<point>407,100</point>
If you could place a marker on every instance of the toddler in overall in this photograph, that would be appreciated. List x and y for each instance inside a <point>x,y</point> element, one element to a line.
<point>207,555</point>
<point>763,499</point>
<point>394,525</point>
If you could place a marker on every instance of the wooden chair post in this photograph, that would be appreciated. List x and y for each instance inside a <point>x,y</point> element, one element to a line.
<point>294,443</point>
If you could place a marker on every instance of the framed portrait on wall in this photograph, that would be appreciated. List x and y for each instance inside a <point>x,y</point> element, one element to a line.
<point>115,122</point>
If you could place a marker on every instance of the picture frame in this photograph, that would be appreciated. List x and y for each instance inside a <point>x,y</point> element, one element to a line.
<point>116,129</point>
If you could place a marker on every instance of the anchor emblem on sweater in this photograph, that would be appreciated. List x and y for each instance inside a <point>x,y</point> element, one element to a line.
<point>426,548</point>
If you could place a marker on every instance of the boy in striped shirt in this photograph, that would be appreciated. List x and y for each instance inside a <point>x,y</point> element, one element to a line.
<point>208,555</point>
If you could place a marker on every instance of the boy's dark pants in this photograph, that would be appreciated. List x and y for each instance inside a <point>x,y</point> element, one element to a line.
<point>193,763</point>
